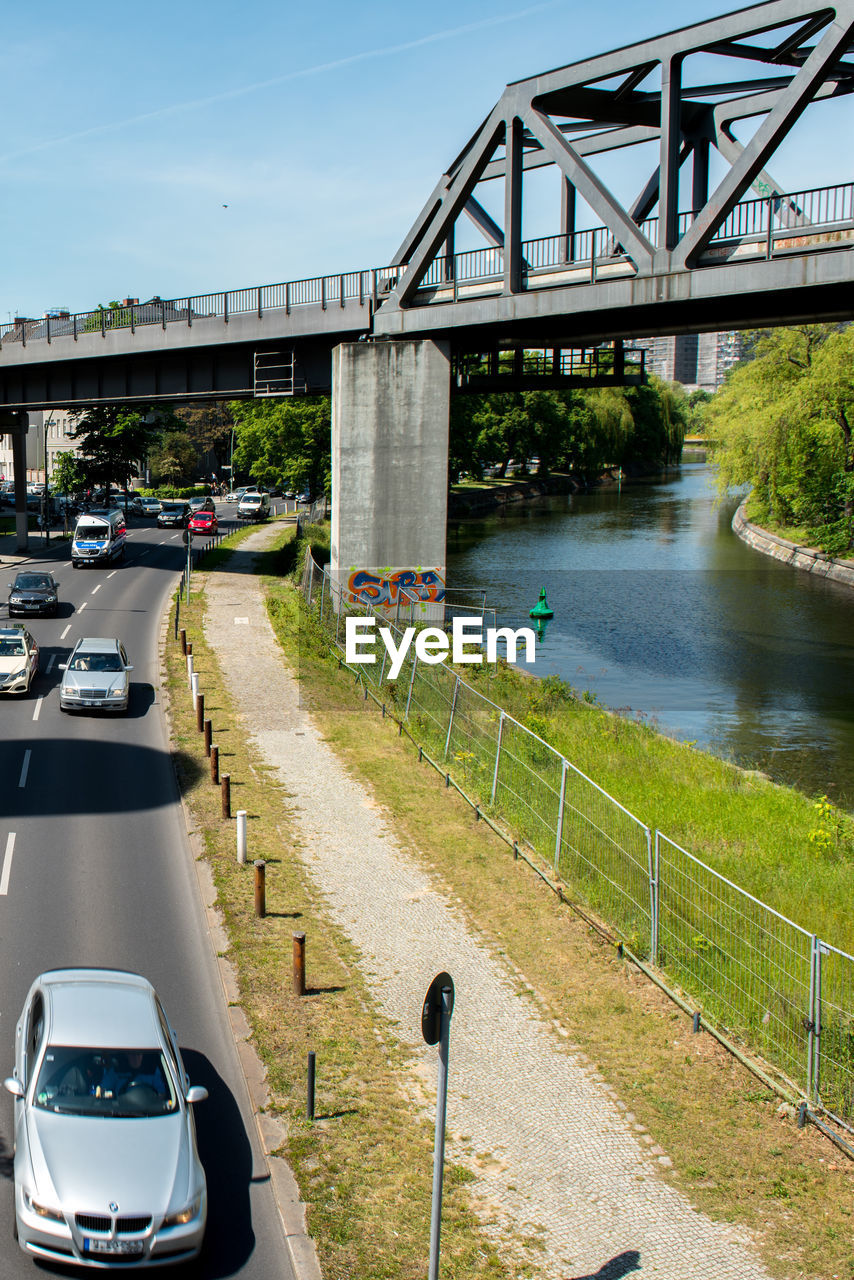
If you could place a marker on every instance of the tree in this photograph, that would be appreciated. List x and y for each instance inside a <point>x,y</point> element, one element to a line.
<point>285,441</point>
<point>68,475</point>
<point>114,439</point>
<point>174,458</point>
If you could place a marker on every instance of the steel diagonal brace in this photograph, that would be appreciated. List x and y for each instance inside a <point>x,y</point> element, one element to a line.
<point>791,102</point>
<point>614,216</point>
<point>452,202</point>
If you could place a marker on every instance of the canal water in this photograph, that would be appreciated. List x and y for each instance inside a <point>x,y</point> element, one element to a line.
<point>664,615</point>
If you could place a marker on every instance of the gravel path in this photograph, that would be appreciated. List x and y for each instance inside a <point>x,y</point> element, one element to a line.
<point>564,1178</point>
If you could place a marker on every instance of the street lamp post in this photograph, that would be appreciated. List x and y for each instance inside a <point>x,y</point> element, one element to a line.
<point>45,496</point>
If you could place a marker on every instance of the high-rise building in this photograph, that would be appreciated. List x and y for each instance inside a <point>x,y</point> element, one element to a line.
<point>694,359</point>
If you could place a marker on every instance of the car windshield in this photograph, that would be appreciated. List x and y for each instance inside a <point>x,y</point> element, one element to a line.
<point>32,582</point>
<point>251,500</point>
<point>12,648</point>
<point>125,1083</point>
<point>171,509</point>
<point>95,662</point>
<point>91,529</point>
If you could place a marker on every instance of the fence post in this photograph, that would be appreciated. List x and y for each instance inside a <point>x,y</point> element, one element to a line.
<point>653,897</point>
<point>215,764</point>
<point>559,829</point>
<point>225,794</point>
<point>260,888</point>
<point>497,758</point>
<point>322,593</point>
<point>310,579</point>
<point>241,837</point>
<point>451,719</point>
<point>813,1039</point>
<point>411,683</point>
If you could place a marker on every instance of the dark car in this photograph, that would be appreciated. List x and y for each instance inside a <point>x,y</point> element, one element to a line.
<point>173,515</point>
<point>33,593</point>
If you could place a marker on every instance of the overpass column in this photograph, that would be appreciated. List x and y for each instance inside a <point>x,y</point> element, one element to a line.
<point>390,404</point>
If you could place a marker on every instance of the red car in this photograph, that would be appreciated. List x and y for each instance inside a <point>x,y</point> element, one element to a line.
<point>203,522</point>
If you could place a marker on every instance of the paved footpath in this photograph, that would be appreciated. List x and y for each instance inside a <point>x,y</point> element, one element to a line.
<point>557,1158</point>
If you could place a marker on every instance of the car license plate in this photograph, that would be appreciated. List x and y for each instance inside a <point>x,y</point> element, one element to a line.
<point>112,1246</point>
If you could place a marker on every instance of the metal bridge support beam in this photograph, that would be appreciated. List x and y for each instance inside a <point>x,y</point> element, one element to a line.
<point>390,404</point>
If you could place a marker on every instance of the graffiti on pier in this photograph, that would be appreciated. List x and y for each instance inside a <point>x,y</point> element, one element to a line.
<point>384,590</point>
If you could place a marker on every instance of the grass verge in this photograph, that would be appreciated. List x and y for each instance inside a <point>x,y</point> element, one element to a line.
<point>364,1167</point>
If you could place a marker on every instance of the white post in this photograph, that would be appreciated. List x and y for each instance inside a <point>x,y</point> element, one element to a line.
<point>194,685</point>
<point>241,836</point>
<point>190,670</point>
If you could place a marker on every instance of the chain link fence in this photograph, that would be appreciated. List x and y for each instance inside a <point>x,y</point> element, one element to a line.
<point>756,976</point>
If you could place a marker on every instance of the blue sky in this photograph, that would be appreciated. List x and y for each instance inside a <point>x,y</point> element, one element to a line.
<point>321,126</point>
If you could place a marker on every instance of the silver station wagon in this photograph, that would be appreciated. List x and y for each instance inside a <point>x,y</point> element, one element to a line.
<point>107,1173</point>
<point>96,676</point>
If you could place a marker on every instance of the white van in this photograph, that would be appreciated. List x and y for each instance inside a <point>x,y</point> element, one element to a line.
<point>99,538</point>
<point>253,506</point>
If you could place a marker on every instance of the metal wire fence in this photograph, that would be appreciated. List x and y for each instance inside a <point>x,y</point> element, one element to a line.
<point>756,976</point>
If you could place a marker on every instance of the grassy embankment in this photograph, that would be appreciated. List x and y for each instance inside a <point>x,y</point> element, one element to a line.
<point>797,533</point>
<point>364,1166</point>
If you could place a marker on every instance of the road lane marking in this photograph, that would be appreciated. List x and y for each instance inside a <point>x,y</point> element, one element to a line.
<point>109,575</point>
<point>174,536</point>
<point>7,863</point>
<point>50,664</point>
<point>37,708</point>
<point>98,588</point>
<point>25,768</point>
<point>80,610</point>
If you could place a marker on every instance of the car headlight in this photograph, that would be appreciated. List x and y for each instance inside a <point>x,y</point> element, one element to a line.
<point>70,691</point>
<point>43,1210</point>
<point>50,599</point>
<point>16,600</point>
<point>184,1215</point>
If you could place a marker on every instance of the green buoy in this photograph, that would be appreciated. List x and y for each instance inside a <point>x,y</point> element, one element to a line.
<point>541,608</point>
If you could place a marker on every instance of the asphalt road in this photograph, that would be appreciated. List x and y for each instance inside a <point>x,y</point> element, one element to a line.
<point>97,871</point>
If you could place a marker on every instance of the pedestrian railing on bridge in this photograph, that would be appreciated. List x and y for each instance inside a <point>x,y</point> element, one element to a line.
<point>758,228</point>
<point>757,978</point>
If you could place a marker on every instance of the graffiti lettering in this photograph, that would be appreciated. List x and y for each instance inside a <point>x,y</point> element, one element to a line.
<point>404,584</point>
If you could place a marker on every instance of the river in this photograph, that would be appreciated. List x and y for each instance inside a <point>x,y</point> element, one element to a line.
<point>663,614</point>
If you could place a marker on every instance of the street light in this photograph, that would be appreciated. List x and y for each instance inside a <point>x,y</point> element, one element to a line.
<point>45,498</point>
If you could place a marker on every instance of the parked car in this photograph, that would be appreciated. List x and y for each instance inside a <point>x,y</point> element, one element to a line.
<point>304,498</point>
<point>33,593</point>
<point>19,659</point>
<point>106,1165</point>
<point>132,504</point>
<point>204,522</point>
<point>173,515</point>
<point>150,506</point>
<point>96,676</point>
<point>234,495</point>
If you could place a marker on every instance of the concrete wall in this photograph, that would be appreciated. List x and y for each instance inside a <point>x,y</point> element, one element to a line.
<point>806,558</point>
<point>390,403</point>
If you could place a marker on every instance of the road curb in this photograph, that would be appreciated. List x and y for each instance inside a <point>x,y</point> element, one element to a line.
<point>272,1130</point>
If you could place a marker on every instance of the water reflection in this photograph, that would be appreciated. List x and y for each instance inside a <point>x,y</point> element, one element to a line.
<point>660,609</point>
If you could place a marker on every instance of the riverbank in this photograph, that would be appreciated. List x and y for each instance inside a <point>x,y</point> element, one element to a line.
<point>799,557</point>
<point>479,498</point>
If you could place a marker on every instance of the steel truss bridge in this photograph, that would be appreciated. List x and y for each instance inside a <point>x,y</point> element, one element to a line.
<point>746,251</point>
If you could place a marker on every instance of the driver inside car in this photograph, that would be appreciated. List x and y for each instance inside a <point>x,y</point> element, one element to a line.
<point>137,1068</point>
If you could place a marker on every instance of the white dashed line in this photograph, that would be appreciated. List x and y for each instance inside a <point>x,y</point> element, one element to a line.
<point>83,606</point>
<point>110,575</point>
<point>25,768</point>
<point>37,708</point>
<point>50,664</point>
<point>65,632</point>
<point>98,588</point>
<point>7,863</point>
<point>174,536</point>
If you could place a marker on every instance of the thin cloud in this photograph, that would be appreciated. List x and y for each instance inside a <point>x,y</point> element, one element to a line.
<point>321,68</point>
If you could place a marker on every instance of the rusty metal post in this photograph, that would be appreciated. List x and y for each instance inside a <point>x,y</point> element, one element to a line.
<point>200,712</point>
<point>208,731</point>
<point>214,764</point>
<point>299,964</point>
<point>190,648</point>
<point>260,889</point>
<point>226,795</point>
<point>183,634</point>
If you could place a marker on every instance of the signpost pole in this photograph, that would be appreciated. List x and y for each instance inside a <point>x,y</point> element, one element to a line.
<point>439,1145</point>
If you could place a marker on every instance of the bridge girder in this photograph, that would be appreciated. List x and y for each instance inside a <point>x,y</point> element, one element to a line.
<point>567,117</point>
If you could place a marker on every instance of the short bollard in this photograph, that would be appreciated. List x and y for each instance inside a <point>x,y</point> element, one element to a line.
<point>214,764</point>
<point>309,1100</point>
<point>189,669</point>
<point>241,837</point>
<point>190,648</point>
<point>226,795</point>
<point>183,634</point>
<point>299,964</point>
<point>208,732</point>
<point>200,712</point>
<point>260,890</point>
<point>194,686</point>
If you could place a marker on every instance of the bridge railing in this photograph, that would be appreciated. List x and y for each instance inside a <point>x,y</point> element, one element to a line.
<point>584,254</point>
<point>758,978</point>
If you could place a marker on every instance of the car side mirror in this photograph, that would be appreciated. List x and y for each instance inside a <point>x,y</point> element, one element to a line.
<point>62,666</point>
<point>15,1087</point>
<point>129,668</point>
<point>195,1093</point>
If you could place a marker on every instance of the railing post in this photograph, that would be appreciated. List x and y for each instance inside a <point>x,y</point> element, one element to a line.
<point>189,313</point>
<point>163,314</point>
<point>103,322</point>
<point>341,290</point>
<point>814,1037</point>
<point>559,827</point>
<point>260,312</point>
<point>322,592</point>
<point>323,292</point>
<point>132,318</point>
<point>225,307</point>
<point>287,299</point>
<point>310,580</point>
<point>47,335</point>
<point>653,895</point>
<point>769,245</point>
<point>497,758</point>
<point>74,326</point>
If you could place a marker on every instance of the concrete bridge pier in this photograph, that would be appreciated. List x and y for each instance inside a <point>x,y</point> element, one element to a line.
<point>390,404</point>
